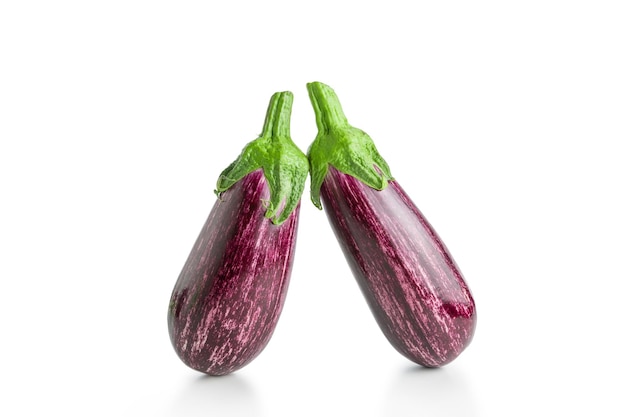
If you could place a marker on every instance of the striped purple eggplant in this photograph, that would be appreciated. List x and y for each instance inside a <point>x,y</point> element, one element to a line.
<point>230,293</point>
<point>412,285</point>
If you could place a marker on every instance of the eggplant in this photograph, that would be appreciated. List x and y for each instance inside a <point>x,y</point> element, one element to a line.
<point>230,293</point>
<point>411,283</point>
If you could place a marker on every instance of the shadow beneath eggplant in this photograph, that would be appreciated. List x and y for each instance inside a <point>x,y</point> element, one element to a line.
<point>430,391</point>
<point>226,396</point>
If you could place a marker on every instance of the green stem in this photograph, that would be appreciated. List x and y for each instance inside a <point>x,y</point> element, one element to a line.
<point>284,165</point>
<point>277,119</point>
<point>348,149</point>
<point>328,111</point>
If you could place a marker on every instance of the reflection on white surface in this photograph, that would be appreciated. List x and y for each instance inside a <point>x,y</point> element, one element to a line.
<point>226,396</point>
<point>429,392</point>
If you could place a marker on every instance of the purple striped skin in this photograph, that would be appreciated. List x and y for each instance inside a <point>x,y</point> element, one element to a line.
<point>230,293</point>
<point>411,283</point>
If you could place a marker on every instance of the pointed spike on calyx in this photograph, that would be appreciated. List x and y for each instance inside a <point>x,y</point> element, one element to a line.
<point>348,149</point>
<point>284,165</point>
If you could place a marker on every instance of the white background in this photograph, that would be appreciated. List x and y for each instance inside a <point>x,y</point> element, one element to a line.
<point>504,121</point>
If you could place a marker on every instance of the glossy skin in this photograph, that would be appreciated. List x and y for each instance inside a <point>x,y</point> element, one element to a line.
<point>412,285</point>
<point>230,293</point>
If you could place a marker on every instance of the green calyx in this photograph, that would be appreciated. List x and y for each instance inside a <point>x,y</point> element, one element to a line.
<point>284,165</point>
<point>348,149</point>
